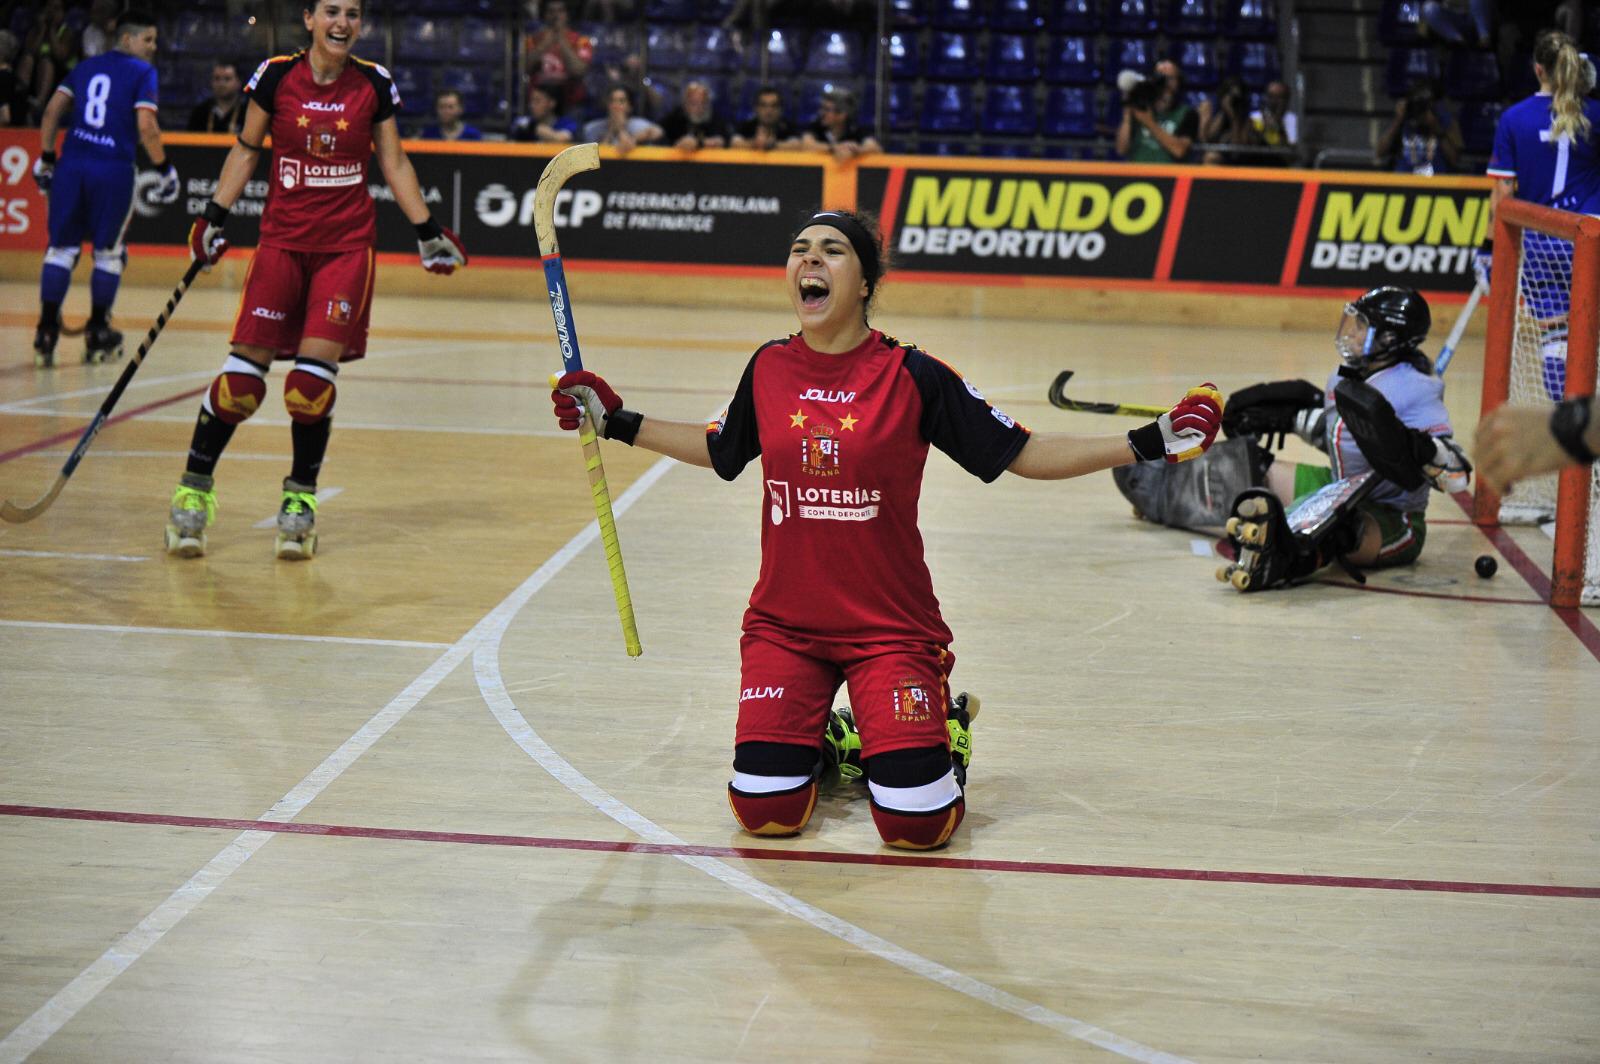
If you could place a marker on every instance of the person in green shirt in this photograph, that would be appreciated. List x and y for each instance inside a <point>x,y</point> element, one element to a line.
<point>1162,130</point>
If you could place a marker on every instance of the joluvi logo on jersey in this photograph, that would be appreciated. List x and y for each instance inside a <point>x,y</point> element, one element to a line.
<point>820,453</point>
<point>911,702</point>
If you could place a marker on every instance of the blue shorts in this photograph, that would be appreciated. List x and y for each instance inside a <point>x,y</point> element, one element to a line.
<point>1546,275</point>
<point>90,199</point>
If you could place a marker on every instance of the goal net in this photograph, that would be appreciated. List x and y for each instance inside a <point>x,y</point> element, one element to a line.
<point>1542,345</point>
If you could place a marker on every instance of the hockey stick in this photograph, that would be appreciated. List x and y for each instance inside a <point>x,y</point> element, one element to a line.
<point>15,514</point>
<point>575,160</point>
<point>1058,399</point>
<point>1448,351</point>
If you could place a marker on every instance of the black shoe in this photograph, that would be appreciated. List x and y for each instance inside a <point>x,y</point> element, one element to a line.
<point>101,343</point>
<point>44,344</point>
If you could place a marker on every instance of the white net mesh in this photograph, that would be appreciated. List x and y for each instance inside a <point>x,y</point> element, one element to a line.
<point>1539,357</point>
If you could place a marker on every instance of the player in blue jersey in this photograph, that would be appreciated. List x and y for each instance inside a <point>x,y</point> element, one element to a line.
<point>108,106</point>
<point>1545,152</point>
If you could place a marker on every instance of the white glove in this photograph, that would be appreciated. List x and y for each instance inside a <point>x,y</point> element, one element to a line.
<point>1449,471</point>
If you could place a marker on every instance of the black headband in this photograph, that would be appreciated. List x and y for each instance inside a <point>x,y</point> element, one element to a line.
<point>866,248</point>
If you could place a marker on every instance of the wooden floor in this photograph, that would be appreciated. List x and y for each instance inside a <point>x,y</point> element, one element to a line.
<point>410,801</point>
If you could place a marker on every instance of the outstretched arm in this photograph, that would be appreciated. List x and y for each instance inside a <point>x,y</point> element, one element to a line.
<point>1059,455</point>
<point>582,393</point>
<point>1182,433</point>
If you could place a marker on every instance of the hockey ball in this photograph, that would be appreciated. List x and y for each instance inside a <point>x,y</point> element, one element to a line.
<point>1486,566</point>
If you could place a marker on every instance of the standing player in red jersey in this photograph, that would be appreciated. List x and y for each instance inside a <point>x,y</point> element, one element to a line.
<point>842,417</point>
<point>308,290</point>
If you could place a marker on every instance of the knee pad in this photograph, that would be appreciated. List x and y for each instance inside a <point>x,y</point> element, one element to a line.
<point>308,391</point>
<point>110,260</point>
<point>237,392</point>
<point>774,787</point>
<point>65,258</point>
<point>916,802</point>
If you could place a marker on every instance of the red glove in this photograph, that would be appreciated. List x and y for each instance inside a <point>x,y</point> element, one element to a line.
<point>1184,432</point>
<point>583,393</point>
<point>440,249</point>
<point>205,235</point>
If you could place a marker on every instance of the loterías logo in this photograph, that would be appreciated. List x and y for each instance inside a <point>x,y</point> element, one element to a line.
<point>289,173</point>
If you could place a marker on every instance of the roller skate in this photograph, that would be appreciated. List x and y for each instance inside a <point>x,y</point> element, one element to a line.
<point>44,344</point>
<point>297,523</point>
<point>101,343</point>
<point>194,507</point>
<point>963,711</point>
<point>1259,536</point>
<point>841,748</point>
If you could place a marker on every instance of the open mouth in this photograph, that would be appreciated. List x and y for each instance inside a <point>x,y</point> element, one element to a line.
<point>340,38</point>
<point>813,291</point>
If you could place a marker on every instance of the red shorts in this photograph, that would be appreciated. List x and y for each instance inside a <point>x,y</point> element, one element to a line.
<point>291,295</point>
<point>898,691</point>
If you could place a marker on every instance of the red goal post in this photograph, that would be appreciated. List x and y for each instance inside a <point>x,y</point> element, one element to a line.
<point>1513,357</point>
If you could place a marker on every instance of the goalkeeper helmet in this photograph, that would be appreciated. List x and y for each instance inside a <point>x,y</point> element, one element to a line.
<point>1381,325</point>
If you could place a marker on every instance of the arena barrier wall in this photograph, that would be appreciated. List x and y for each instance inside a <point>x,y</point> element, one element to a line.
<point>1027,238</point>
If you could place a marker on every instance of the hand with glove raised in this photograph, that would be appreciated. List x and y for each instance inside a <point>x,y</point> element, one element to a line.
<point>1185,431</point>
<point>583,394</point>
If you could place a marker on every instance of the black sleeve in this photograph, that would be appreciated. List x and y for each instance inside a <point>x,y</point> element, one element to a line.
<point>384,88</point>
<point>958,420</point>
<point>674,126</point>
<point>198,118</point>
<point>732,439</point>
<point>263,84</point>
<point>1190,126</point>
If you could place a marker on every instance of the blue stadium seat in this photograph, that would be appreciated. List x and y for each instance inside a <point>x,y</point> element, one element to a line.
<point>1247,19</point>
<point>905,54</point>
<point>956,14</point>
<point>1132,17</point>
<point>482,41</point>
<point>670,10</point>
<point>482,94</point>
<point>666,47</point>
<point>834,54</point>
<point>1400,22</point>
<point>1478,121</point>
<point>613,44</point>
<point>1198,61</point>
<point>1128,53</point>
<point>1074,16</point>
<point>947,108</point>
<point>192,33</point>
<point>711,50</point>
<point>1016,16</point>
<point>415,83</point>
<point>947,147</point>
<point>1472,76</point>
<point>900,115</point>
<point>425,38</point>
<point>1254,62</point>
<point>953,55</point>
<point>907,13</point>
<point>1071,61</point>
<point>1008,149</point>
<point>1069,111</point>
<point>783,53</point>
<point>1012,57</point>
<point>1191,18</point>
<point>1008,111</point>
<point>1409,65</point>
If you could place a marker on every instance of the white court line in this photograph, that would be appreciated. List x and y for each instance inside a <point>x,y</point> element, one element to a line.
<point>209,633</point>
<point>73,556</point>
<point>486,667</point>
<point>323,495</point>
<point>168,455</point>
<point>374,426</point>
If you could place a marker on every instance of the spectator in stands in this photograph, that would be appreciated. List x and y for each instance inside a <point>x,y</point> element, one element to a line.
<point>448,123</point>
<point>48,55</point>
<point>1423,137</point>
<point>630,75</point>
<point>621,128</point>
<point>693,124</point>
<point>836,129</point>
<point>13,98</point>
<point>99,32</point>
<point>1454,20</point>
<point>544,121</point>
<point>559,56</point>
<point>1158,126</point>
<point>224,112</point>
<point>1275,124</point>
<point>1230,124</point>
<point>769,129</point>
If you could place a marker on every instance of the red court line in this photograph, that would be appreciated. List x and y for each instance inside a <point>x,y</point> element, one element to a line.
<point>62,437</point>
<point>1198,875</point>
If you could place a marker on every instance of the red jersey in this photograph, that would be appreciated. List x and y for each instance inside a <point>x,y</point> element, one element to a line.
<point>321,142</point>
<point>843,440</point>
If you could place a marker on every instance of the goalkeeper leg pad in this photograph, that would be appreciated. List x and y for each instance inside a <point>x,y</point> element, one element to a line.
<point>237,392</point>
<point>916,802</point>
<point>1198,493</point>
<point>774,787</point>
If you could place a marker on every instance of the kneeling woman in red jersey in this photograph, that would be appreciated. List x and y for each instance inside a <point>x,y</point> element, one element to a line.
<point>841,417</point>
<point>308,291</point>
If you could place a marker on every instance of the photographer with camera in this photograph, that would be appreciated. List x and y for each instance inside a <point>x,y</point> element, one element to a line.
<point>1230,124</point>
<point>1157,125</point>
<point>1423,138</point>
